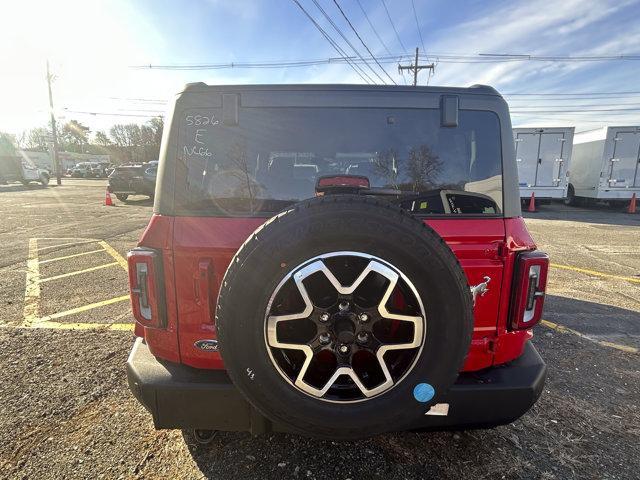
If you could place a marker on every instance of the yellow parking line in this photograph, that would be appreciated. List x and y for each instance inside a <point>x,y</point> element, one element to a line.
<point>595,273</point>
<point>49,260</point>
<point>84,308</point>
<point>77,272</point>
<point>112,251</point>
<point>563,329</point>
<point>68,238</point>
<point>84,326</point>
<point>66,244</point>
<point>33,280</point>
<point>32,290</point>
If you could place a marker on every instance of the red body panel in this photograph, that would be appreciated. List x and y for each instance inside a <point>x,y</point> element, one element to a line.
<point>197,250</point>
<point>477,244</point>
<point>197,240</point>
<point>163,342</point>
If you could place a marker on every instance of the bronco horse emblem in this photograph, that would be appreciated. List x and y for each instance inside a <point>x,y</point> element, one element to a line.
<point>480,289</point>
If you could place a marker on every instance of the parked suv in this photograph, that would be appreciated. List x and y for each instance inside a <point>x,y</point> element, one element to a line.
<point>336,261</point>
<point>81,170</point>
<point>127,180</point>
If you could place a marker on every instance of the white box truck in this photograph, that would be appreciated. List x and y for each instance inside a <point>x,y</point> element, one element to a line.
<point>606,165</point>
<point>543,156</point>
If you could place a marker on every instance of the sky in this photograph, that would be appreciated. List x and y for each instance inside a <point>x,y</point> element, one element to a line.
<point>93,47</point>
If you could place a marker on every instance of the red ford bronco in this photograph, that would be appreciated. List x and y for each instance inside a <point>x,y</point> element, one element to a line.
<point>337,261</point>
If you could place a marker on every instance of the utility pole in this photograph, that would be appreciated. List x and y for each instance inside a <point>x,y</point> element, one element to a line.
<point>54,132</point>
<point>415,68</point>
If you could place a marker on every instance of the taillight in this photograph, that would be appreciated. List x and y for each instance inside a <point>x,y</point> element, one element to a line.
<point>147,287</point>
<point>529,289</point>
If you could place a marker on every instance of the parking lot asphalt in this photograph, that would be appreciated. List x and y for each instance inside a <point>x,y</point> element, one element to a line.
<point>66,412</point>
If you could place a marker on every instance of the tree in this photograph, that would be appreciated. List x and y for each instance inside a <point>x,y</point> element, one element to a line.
<point>423,168</point>
<point>7,144</point>
<point>157,125</point>
<point>74,136</point>
<point>137,143</point>
<point>385,165</point>
<point>36,139</point>
<point>101,138</point>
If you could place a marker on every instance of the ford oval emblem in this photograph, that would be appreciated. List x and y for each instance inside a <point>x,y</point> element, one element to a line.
<point>207,345</point>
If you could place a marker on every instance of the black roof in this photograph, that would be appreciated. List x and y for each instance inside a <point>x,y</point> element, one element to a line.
<point>473,89</point>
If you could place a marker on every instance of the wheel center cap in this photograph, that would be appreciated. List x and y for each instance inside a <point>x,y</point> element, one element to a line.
<point>346,336</point>
<point>344,329</point>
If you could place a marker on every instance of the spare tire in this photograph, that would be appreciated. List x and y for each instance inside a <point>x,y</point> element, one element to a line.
<point>344,317</point>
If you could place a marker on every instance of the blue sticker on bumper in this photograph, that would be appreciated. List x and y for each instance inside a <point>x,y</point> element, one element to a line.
<point>423,392</point>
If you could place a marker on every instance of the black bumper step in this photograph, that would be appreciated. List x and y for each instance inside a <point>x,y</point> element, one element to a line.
<point>179,396</point>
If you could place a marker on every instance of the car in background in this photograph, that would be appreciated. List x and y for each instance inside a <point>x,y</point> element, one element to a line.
<point>17,169</point>
<point>82,170</point>
<point>126,180</point>
<point>101,170</point>
<point>96,171</point>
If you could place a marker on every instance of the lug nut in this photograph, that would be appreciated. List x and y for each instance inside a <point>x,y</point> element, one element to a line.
<point>362,337</point>
<point>324,338</point>
<point>344,306</point>
<point>363,317</point>
<point>343,348</point>
<point>324,317</point>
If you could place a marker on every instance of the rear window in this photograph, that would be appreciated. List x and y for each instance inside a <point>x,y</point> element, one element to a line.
<point>274,156</point>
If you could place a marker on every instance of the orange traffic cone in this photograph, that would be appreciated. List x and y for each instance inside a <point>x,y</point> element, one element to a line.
<point>532,203</point>
<point>632,205</point>
<point>108,202</point>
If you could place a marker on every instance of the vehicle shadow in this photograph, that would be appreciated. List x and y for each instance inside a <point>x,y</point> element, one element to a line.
<point>598,321</point>
<point>138,201</point>
<point>18,187</point>
<point>598,213</point>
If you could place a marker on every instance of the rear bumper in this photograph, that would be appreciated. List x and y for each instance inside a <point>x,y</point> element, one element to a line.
<point>178,396</point>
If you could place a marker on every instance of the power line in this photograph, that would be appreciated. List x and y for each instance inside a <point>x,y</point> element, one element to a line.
<point>373,28</point>
<point>149,100</point>
<point>384,4</point>
<point>576,105</point>
<point>337,29</point>
<point>138,110</point>
<point>111,114</point>
<point>415,15</point>
<point>572,120</point>
<point>336,47</point>
<point>362,41</point>
<point>439,57</point>
<point>584,110</point>
<point>572,94</point>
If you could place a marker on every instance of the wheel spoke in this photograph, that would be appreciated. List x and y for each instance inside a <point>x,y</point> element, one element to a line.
<point>416,320</point>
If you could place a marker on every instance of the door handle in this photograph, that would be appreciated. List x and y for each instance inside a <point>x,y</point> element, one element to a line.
<point>203,283</point>
<point>540,161</point>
